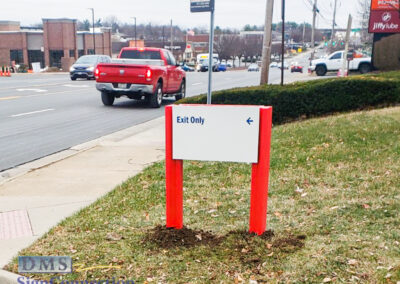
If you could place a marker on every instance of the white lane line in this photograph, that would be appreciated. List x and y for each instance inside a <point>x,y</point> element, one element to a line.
<point>32,90</point>
<point>195,84</point>
<point>76,86</point>
<point>32,112</point>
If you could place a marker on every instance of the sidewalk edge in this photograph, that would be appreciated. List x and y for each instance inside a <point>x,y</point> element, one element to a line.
<point>21,170</point>
<point>7,277</point>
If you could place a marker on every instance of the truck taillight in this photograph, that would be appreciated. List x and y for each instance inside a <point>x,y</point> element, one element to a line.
<point>96,73</point>
<point>148,74</point>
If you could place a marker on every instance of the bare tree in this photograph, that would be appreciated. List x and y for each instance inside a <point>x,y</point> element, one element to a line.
<point>363,18</point>
<point>225,45</point>
<point>112,22</point>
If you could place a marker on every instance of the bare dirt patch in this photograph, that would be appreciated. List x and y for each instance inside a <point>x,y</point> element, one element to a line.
<point>171,238</point>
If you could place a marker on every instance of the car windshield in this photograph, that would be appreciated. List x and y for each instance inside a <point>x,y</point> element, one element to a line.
<point>141,54</point>
<point>87,60</point>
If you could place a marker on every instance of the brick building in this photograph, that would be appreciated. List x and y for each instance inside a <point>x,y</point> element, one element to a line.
<point>58,44</point>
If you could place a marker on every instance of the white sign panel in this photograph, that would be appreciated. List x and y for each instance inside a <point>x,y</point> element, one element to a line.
<point>215,133</point>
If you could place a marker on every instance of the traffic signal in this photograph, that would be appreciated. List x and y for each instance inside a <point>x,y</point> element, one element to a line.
<point>333,43</point>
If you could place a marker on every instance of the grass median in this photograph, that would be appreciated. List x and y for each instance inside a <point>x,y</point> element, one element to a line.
<point>333,215</point>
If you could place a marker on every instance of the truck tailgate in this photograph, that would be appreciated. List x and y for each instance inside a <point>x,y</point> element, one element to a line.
<point>118,73</point>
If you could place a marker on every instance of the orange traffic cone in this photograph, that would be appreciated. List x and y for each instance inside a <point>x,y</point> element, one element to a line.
<point>8,72</point>
<point>1,71</point>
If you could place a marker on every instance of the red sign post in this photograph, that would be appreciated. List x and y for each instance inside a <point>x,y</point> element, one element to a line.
<point>259,177</point>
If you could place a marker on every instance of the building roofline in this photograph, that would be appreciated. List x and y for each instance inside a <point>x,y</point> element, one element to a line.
<point>65,20</point>
<point>6,23</point>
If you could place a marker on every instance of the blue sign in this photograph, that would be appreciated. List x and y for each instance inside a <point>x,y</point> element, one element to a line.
<point>44,264</point>
<point>201,6</point>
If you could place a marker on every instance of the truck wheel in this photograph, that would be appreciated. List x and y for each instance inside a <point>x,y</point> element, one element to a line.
<point>320,70</point>
<point>364,68</point>
<point>107,99</point>
<point>156,98</point>
<point>73,78</point>
<point>182,91</point>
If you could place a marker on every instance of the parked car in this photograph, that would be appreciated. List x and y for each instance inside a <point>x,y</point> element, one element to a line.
<point>187,68</point>
<point>253,67</point>
<point>141,73</point>
<point>296,67</point>
<point>274,65</point>
<point>334,62</point>
<point>204,66</point>
<point>285,65</point>
<point>85,65</point>
<point>222,67</point>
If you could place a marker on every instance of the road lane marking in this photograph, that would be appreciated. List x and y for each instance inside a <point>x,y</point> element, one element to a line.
<point>32,112</point>
<point>195,84</point>
<point>32,90</point>
<point>9,98</point>
<point>76,86</point>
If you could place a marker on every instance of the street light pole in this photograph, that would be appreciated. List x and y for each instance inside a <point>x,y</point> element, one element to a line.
<point>94,36</point>
<point>283,42</point>
<point>135,33</point>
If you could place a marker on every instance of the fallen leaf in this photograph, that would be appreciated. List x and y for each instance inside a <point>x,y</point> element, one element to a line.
<point>326,280</point>
<point>366,206</point>
<point>299,190</point>
<point>199,237</point>
<point>245,250</point>
<point>271,254</point>
<point>334,207</point>
<point>352,262</point>
<point>269,246</point>
<point>277,214</point>
<point>147,216</point>
<point>113,237</point>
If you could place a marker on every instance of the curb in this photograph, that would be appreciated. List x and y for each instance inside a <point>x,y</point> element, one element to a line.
<point>8,277</point>
<point>18,171</point>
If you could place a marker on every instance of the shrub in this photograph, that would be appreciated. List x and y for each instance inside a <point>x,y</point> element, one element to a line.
<point>313,98</point>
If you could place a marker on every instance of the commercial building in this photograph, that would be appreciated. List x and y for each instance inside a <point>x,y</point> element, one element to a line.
<point>57,44</point>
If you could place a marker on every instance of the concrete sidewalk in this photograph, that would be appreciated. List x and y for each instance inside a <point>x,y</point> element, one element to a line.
<point>37,196</point>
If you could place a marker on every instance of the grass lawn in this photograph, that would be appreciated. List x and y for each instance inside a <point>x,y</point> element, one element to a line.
<point>333,216</point>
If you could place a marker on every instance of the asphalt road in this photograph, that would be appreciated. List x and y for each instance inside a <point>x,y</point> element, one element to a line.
<point>41,114</point>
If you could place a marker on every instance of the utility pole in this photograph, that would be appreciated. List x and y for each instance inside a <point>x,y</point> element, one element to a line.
<point>346,48</point>
<point>172,41</point>
<point>163,36</point>
<point>283,43</point>
<point>334,22</point>
<point>266,54</point>
<point>94,36</point>
<point>313,30</point>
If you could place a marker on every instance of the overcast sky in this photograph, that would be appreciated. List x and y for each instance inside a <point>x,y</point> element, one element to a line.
<point>229,13</point>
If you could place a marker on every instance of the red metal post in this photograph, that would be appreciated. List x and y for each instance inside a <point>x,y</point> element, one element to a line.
<point>173,178</point>
<point>260,175</point>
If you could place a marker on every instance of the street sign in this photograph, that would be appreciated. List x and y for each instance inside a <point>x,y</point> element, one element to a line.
<point>216,133</point>
<point>384,22</point>
<point>385,5</point>
<point>201,6</point>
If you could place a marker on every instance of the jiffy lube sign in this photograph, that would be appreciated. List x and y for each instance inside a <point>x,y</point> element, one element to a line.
<point>228,133</point>
<point>384,22</point>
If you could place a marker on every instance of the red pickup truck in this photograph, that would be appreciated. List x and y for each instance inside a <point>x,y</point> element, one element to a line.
<point>141,73</point>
